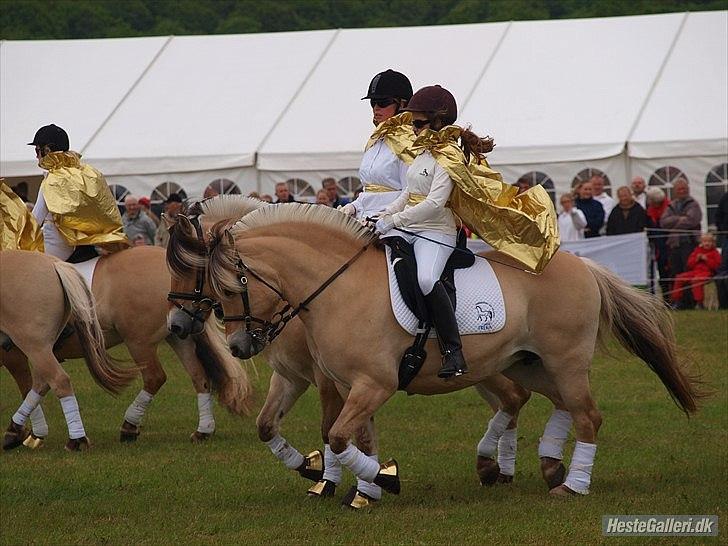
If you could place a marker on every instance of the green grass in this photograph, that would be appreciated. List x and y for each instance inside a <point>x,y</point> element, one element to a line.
<point>164,490</point>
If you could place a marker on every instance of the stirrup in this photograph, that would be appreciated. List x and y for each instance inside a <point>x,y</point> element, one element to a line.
<point>450,367</point>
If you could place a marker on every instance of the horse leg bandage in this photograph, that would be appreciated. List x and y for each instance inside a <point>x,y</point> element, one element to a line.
<point>332,466</point>
<point>285,453</point>
<point>362,466</point>
<point>32,399</point>
<point>370,489</point>
<point>206,424</point>
<point>580,469</point>
<point>555,434</point>
<point>69,404</point>
<point>496,427</point>
<point>507,445</point>
<point>38,422</point>
<point>135,412</point>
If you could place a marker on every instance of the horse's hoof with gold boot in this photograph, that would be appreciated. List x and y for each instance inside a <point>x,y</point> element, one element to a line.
<point>128,432</point>
<point>198,437</point>
<point>553,472</point>
<point>488,470</point>
<point>356,500</point>
<point>33,441</point>
<point>78,444</point>
<point>388,477</point>
<point>322,488</point>
<point>14,436</point>
<point>312,467</point>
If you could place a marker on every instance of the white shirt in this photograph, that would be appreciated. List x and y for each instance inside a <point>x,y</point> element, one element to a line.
<point>571,225</point>
<point>379,165</point>
<point>425,177</point>
<point>608,204</point>
<point>53,241</point>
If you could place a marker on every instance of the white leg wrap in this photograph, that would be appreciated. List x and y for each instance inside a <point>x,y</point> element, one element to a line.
<point>206,423</point>
<point>135,412</point>
<point>332,466</point>
<point>370,489</point>
<point>496,427</point>
<point>73,417</point>
<point>285,453</point>
<point>32,399</point>
<point>555,434</point>
<point>38,421</point>
<point>507,452</point>
<point>580,469</point>
<point>362,466</point>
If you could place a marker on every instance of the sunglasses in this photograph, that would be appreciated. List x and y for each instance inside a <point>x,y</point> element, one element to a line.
<point>420,123</point>
<point>382,103</point>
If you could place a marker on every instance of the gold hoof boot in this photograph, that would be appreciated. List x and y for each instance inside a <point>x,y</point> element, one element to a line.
<point>15,435</point>
<point>78,444</point>
<point>388,477</point>
<point>357,500</point>
<point>128,433</point>
<point>322,488</point>
<point>312,467</point>
<point>33,441</point>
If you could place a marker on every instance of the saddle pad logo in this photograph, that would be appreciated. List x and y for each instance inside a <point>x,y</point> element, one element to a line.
<point>485,314</point>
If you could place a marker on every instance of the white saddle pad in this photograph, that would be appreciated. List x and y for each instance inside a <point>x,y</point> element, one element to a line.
<point>480,307</point>
<point>86,269</point>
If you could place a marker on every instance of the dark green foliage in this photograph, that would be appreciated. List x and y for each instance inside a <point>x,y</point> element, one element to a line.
<point>69,19</point>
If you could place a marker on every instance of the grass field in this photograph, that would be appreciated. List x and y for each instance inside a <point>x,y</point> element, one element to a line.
<point>164,490</point>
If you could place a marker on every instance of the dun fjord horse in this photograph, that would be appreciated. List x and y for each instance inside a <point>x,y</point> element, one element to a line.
<point>554,323</point>
<point>38,293</point>
<point>293,365</point>
<point>130,292</point>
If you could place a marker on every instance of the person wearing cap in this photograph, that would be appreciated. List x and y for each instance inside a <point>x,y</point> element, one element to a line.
<point>139,228</point>
<point>386,158</point>
<point>172,207</point>
<point>75,206</point>
<point>146,205</point>
<point>447,183</point>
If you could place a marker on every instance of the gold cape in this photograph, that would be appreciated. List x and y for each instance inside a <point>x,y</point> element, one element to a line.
<point>81,203</point>
<point>18,228</point>
<point>523,226</point>
<point>398,136</point>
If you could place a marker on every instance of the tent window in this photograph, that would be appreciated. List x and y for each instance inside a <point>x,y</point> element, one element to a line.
<point>221,186</point>
<point>349,186</point>
<point>301,190</point>
<point>161,192</point>
<point>537,177</point>
<point>119,192</point>
<point>666,177</point>
<point>716,184</point>
<point>586,174</point>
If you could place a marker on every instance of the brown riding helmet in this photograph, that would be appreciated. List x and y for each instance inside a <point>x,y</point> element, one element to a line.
<point>434,99</point>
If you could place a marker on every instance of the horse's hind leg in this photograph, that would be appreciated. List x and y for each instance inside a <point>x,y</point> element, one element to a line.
<point>506,398</point>
<point>17,364</point>
<point>153,377</point>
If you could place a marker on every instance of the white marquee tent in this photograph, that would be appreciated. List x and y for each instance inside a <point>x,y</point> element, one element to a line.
<point>644,95</point>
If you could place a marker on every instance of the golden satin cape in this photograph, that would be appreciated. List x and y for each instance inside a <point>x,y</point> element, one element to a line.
<point>18,228</point>
<point>81,203</point>
<point>398,136</point>
<point>523,226</point>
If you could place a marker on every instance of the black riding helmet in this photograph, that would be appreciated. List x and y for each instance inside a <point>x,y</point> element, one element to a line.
<point>52,136</point>
<point>389,84</point>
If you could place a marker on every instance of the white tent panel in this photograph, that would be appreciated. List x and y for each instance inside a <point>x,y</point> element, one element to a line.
<point>569,90</point>
<point>326,126</point>
<point>75,84</point>
<point>208,102</point>
<point>688,111</point>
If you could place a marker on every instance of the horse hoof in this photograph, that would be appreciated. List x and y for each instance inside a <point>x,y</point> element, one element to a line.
<point>322,488</point>
<point>563,492</point>
<point>129,432</point>
<point>312,467</point>
<point>388,477</point>
<point>553,472</point>
<point>356,500</point>
<point>504,478</point>
<point>78,444</point>
<point>14,436</point>
<point>199,437</point>
<point>488,470</point>
<point>33,441</point>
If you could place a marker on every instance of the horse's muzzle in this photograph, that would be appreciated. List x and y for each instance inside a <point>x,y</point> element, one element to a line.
<point>182,325</point>
<point>243,345</point>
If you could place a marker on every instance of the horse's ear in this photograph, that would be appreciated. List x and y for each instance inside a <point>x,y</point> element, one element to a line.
<point>184,223</point>
<point>169,221</point>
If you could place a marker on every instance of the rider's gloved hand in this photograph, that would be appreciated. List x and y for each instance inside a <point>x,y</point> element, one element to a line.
<point>348,209</point>
<point>383,225</point>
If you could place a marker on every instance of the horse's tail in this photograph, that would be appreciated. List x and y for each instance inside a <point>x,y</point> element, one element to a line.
<point>228,379</point>
<point>643,325</point>
<point>106,371</point>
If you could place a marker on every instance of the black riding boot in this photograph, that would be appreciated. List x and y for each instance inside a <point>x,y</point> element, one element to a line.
<point>443,317</point>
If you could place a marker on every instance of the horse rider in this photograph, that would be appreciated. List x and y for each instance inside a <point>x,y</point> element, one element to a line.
<point>75,206</point>
<point>383,169</point>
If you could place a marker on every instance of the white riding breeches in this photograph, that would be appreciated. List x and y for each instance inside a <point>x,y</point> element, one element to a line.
<point>431,257</point>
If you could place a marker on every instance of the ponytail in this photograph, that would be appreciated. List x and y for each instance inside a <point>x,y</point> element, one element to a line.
<point>474,146</point>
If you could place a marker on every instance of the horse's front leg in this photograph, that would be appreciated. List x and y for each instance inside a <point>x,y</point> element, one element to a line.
<point>331,405</point>
<point>17,364</point>
<point>153,377</point>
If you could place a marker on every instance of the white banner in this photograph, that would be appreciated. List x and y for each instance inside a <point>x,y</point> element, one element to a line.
<point>626,255</point>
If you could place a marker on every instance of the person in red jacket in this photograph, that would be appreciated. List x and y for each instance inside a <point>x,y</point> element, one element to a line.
<point>702,265</point>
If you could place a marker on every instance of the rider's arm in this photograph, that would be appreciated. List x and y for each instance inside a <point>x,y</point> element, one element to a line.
<point>40,210</point>
<point>398,204</point>
<point>435,201</point>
